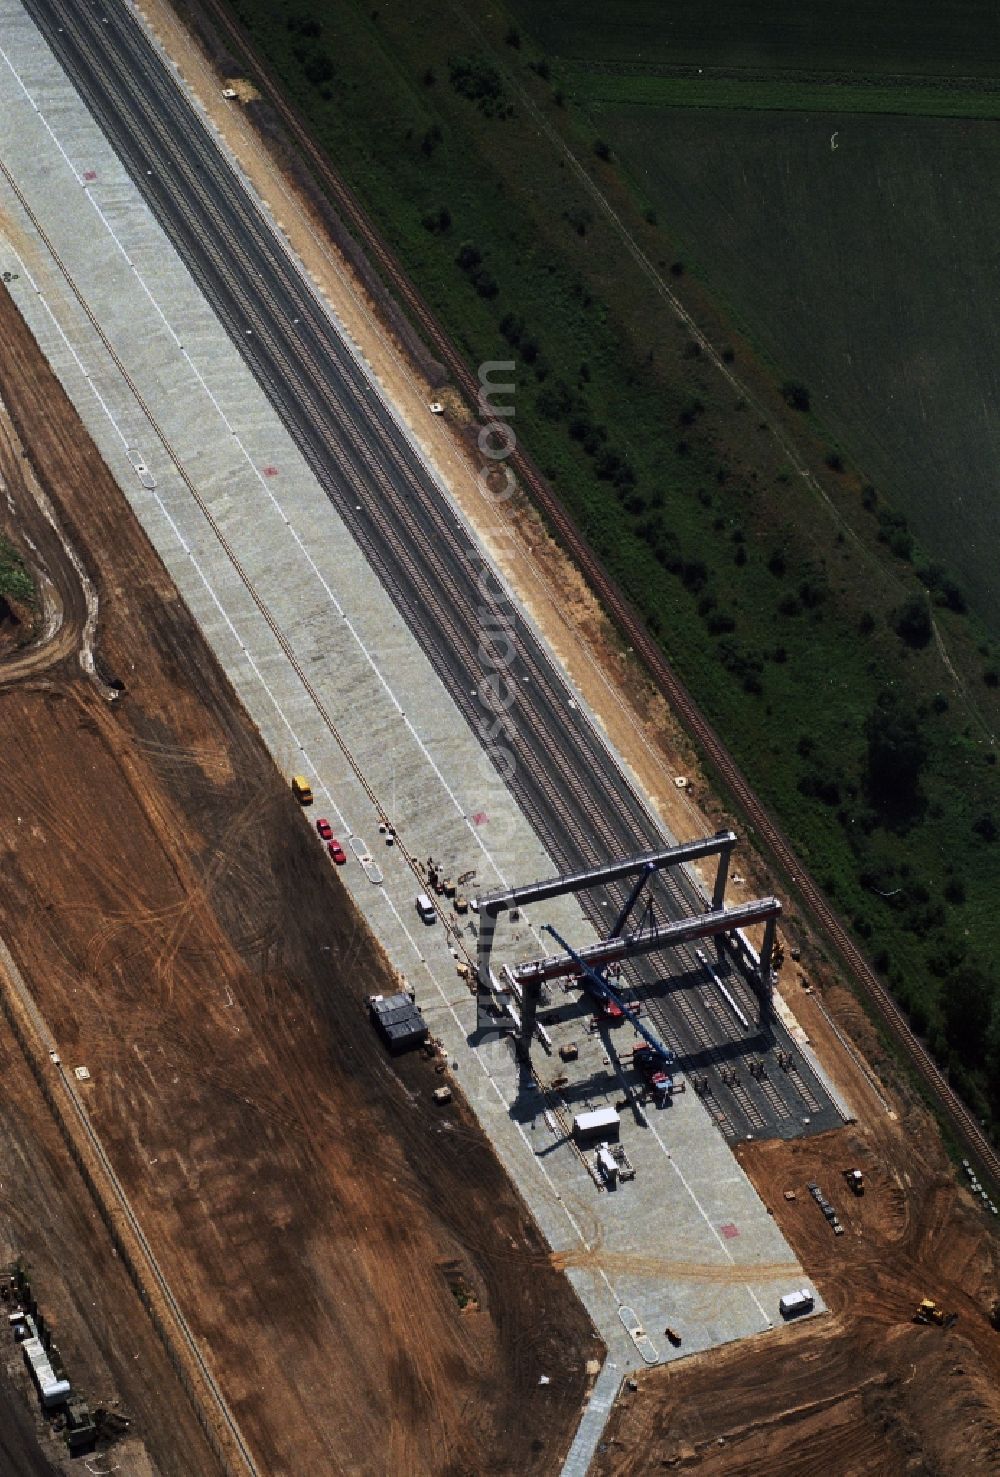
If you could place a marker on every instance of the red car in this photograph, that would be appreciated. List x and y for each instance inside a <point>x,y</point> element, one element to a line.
<point>325,829</point>
<point>337,852</point>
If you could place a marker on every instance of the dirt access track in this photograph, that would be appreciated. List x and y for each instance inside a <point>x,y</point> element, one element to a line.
<point>863,1391</point>
<point>367,1286</point>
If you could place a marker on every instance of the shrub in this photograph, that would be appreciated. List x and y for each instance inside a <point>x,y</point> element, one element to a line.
<point>319,70</point>
<point>430,140</point>
<point>477,79</point>
<point>438,222</point>
<point>468,257</point>
<point>796,395</point>
<point>943,588</point>
<point>893,531</point>
<point>913,622</point>
<point>896,754</point>
<point>601,149</point>
<point>986,827</point>
<point>694,574</point>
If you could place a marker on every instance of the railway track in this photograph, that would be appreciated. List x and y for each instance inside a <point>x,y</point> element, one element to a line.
<point>569,784</point>
<point>769,833</point>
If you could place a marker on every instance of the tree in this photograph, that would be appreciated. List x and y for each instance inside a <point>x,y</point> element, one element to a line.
<point>896,756</point>
<point>967,1008</point>
<point>796,395</point>
<point>913,622</point>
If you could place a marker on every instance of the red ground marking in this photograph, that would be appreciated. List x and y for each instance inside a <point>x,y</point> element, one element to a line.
<point>90,174</point>
<point>270,471</point>
<point>729,1231</point>
<point>479,818</point>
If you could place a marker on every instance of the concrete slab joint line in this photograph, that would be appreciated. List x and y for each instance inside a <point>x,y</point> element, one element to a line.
<point>278,662</point>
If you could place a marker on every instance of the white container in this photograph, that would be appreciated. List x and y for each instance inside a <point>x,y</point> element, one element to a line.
<point>601,1123</point>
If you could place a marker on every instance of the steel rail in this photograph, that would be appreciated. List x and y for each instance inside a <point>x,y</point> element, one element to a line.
<point>624,615</point>
<point>404,531</point>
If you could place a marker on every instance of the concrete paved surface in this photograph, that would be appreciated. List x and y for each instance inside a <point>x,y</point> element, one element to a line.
<point>688,1241</point>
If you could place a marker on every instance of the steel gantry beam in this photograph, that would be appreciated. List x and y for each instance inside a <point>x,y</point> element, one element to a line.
<point>661,936</point>
<point>590,961</point>
<point>492,904</point>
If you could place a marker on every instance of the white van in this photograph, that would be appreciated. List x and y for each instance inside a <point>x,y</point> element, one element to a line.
<point>426,909</point>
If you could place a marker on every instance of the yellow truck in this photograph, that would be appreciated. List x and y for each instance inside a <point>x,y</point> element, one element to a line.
<point>302,790</point>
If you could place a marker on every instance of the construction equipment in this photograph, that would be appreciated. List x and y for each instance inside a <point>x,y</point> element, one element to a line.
<point>613,1164</point>
<point>855,1179</point>
<point>827,1209</point>
<point>929,1312</point>
<point>649,1065</point>
<point>615,1007</point>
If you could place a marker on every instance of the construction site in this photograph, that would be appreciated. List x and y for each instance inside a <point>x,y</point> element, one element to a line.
<point>359,1116</point>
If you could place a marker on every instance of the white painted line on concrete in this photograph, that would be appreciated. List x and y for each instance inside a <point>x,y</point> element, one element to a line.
<point>706,1218</point>
<point>90,194</point>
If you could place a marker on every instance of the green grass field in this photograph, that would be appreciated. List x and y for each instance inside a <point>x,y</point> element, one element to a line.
<point>779,607</point>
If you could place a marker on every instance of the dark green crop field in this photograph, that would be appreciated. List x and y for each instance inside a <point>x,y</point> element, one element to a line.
<point>833,650</point>
<point>925,37</point>
<point>871,272</point>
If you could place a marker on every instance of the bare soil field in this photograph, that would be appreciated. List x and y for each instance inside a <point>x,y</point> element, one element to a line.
<point>186,940</point>
<point>111,1353</point>
<point>863,1389</point>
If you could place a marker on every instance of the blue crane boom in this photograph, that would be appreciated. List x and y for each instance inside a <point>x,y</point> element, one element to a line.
<point>595,984</point>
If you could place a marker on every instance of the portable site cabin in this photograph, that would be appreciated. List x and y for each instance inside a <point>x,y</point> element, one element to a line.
<point>600,1123</point>
<point>398,1021</point>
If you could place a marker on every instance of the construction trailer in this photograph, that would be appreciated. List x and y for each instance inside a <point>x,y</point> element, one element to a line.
<point>52,1390</point>
<point>598,1124</point>
<point>398,1021</point>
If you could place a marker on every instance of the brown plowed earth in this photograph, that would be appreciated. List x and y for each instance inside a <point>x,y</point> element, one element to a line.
<point>111,1353</point>
<point>42,638</point>
<point>185,937</point>
<point>214,20</point>
<point>863,1390</point>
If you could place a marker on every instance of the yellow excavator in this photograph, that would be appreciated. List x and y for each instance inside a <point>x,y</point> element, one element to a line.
<point>929,1312</point>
